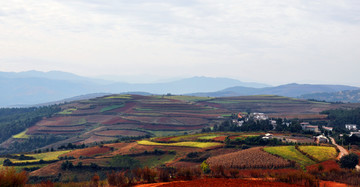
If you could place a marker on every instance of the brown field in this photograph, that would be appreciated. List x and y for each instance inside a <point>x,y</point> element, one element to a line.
<point>300,116</point>
<point>95,138</point>
<point>115,133</point>
<point>116,120</point>
<point>91,151</point>
<point>249,158</point>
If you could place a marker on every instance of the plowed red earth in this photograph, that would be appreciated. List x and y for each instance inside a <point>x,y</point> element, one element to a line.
<point>120,133</point>
<point>327,165</point>
<point>218,182</point>
<point>88,151</point>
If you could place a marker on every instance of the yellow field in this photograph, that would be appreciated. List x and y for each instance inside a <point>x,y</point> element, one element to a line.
<point>44,156</point>
<point>321,153</point>
<point>184,144</point>
<point>290,153</point>
<point>68,111</point>
<point>119,97</point>
<point>21,135</point>
<point>209,137</point>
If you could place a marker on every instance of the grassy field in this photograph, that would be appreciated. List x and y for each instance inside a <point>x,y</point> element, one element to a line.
<point>321,153</point>
<point>153,160</point>
<point>290,153</point>
<point>184,144</point>
<point>119,97</point>
<point>209,137</point>
<point>47,156</point>
<point>112,107</point>
<point>21,135</point>
<point>68,111</point>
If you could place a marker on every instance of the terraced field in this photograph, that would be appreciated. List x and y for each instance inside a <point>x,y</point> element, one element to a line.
<point>290,153</point>
<point>183,144</point>
<point>249,158</point>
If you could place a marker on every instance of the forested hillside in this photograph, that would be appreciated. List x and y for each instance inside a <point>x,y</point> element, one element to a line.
<point>16,120</point>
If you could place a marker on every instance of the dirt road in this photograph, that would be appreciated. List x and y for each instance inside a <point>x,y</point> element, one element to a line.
<point>343,151</point>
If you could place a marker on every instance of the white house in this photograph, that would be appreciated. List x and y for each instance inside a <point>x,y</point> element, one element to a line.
<point>351,127</point>
<point>328,128</point>
<point>268,136</point>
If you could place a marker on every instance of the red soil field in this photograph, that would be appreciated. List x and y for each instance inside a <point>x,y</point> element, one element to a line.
<point>116,120</point>
<point>171,127</point>
<point>95,138</point>
<point>91,151</point>
<point>128,106</point>
<point>62,121</point>
<point>248,173</point>
<point>327,165</point>
<point>49,170</point>
<point>220,138</point>
<point>182,164</point>
<point>218,182</point>
<point>120,133</point>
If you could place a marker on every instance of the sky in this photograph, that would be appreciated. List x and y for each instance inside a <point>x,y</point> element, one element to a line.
<point>267,41</point>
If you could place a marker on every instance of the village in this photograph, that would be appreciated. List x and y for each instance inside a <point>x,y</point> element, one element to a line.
<point>320,133</point>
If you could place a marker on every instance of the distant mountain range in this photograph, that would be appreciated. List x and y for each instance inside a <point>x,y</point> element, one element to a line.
<point>34,87</point>
<point>289,90</point>
<point>351,96</point>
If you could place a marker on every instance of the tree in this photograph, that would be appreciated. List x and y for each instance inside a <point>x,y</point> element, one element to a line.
<point>349,161</point>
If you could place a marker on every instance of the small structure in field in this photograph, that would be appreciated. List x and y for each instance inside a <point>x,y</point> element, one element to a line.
<point>322,139</point>
<point>267,136</point>
<point>307,127</point>
<point>351,127</point>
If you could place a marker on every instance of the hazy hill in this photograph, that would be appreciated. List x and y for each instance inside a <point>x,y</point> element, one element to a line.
<point>289,90</point>
<point>34,87</point>
<point>352,96</point>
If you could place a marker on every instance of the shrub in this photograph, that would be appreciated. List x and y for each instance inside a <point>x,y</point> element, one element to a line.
<point>148,175</point>
<point>218,171</point>
<point>9,177</point>
<point>116,179</point>
<point>349,161</point>
<point>95,179</point>
<point>205,167</point>
<point>234,173</point>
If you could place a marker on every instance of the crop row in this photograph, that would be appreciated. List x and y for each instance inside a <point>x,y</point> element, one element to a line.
<point>249,158</point>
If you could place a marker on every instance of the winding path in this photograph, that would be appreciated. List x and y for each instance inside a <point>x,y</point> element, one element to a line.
<point>343,151</point>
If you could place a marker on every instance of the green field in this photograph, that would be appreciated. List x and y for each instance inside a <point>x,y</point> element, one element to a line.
<point>153,160</point>
<point>209,137</point>
<point>112,107</point>
<point>290,153</point>
<point>44,156</point>
<point>21,135</point>
<point>321,153</point>
<point>68,111</point>
<point>183,144</point>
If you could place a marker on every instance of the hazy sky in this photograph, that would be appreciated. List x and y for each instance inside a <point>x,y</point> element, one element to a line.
<point>268,41</point>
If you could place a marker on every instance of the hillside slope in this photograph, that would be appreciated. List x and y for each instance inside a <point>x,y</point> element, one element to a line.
<point>351,96</point>
<point>288,90</point>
